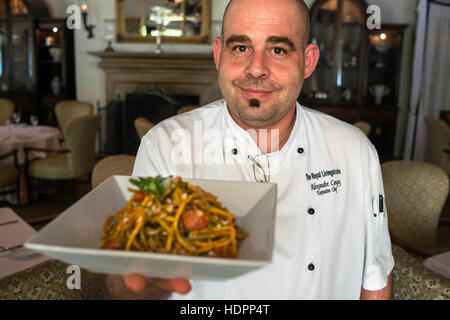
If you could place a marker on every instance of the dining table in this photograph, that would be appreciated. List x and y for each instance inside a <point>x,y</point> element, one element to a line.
<point>439,263</point>
<point>14,231</point>
<point>18,137</point>
<point>28,275</point>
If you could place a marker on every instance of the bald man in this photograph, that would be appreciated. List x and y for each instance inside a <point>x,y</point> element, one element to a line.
<point>331,237</point>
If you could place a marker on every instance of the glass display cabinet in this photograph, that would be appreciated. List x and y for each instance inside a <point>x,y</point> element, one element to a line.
<point>17,73</point>
<point>338,27</point>
<point>34,50</point>
<point>55,66</point>
<point>357,77</point>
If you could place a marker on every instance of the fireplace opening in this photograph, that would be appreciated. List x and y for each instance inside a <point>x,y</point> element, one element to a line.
<point>118,134</point>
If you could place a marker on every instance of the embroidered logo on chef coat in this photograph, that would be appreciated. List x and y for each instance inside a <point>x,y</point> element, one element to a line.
<point>323,182</point>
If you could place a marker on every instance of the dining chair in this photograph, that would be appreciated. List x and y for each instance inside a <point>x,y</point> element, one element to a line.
<point>415,194</point>
<point>363,126</point>
<point>6,110</point>
<point>10,173</point>
<point>69,109</point>
<point>186,109</point>
<point>69,164</point>
<point>438,133</point>
<point>142,126</point>
<point>120,164</point>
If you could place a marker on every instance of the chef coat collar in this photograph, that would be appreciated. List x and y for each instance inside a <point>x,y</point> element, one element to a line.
<point>241,136</point>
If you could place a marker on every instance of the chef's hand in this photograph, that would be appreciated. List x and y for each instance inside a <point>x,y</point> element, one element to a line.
<point>138,284</point>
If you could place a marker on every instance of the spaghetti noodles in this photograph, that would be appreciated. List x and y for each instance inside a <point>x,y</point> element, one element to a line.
<point>172,216</point>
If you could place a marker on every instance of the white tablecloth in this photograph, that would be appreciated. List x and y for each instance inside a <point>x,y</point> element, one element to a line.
<point>17,137</point>
<point>15,234</point>
<point>21,136</point>
<point>439,264</point>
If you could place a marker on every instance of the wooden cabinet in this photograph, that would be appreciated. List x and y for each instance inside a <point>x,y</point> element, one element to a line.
<point>34,49</point>
<point>55,66</point>
<point>357,77</point>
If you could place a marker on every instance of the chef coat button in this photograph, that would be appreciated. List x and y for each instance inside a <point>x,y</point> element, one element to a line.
<point>311,211</point>
<point>300,150</point>
<point>234,151</point>
<point>311,267</point>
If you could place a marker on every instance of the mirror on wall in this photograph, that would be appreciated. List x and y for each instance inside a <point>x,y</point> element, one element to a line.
<point>177,21</point>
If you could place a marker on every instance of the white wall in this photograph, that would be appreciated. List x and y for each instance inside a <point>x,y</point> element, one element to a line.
<point>90,78</point>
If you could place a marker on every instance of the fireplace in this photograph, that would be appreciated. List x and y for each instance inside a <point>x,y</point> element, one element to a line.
<point>189,79</point>
<point>178,74</point>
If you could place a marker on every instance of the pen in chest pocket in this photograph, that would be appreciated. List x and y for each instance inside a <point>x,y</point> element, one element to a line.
<point>381,205</point>
<point>378,206</point>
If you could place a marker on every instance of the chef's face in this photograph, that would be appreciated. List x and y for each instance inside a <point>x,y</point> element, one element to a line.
<point>262,61</point>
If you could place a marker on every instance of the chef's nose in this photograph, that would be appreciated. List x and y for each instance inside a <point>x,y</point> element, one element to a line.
<point>257,67</point>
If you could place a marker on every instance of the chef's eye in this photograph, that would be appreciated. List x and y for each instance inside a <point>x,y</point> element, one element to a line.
<point>278,51</point>
<point>240,49</point>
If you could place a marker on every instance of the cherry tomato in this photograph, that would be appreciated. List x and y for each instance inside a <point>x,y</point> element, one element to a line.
<point>195,220</point>
<point>113,244</point>
<point>138,196</point>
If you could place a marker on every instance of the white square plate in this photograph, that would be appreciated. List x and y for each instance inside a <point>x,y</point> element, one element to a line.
<point>74,236</point>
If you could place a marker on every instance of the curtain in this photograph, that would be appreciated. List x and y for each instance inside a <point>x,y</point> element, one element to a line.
<point>431,75</point>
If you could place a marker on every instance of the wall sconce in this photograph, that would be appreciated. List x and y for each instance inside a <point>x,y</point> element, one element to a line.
<point>88,28</point>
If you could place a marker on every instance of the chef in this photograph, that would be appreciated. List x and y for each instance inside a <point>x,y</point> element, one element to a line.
<point>331,233</point>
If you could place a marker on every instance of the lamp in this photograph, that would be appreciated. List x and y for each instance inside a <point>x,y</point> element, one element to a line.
<point>87,27</point>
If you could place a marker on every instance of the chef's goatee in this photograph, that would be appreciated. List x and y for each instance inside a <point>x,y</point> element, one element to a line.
<point>254,103</point>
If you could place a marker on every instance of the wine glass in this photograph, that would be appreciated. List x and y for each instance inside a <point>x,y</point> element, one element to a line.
<point>8,124</point>
<point>34,120</point>
<point>16,116</point>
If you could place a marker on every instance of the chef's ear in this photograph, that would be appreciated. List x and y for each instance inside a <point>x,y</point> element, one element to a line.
<point>217,49</point>
<point>312,54</point>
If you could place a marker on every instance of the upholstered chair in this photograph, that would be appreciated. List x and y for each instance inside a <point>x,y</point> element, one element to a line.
<point>69,109</point>
<point>415,195</point>
<point>6,110</point>
<point>438,139</point>
<point>364,126</point>
<point>142,126</point>
<point>186,109</point>
<point>10,174</point>
<point>120,164</point>
<point>74,162</point>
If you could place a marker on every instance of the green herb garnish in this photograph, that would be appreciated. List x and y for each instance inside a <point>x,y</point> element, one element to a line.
<point>155,185</point>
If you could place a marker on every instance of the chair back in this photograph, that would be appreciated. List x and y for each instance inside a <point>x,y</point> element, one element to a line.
<point>415,195</point>
<point>120,164</point>
<point>364,126</point>
<point>80,135</point>
<point>69,109</point>
<point>438,139</point>
<point>186,109</point>
<point>142,126</point>
<point>6,110</point>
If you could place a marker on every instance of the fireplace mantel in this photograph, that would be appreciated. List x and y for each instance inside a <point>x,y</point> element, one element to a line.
<point>179,74</point>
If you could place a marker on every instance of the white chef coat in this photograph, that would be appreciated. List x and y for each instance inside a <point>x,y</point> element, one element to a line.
<point>328,241</point>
